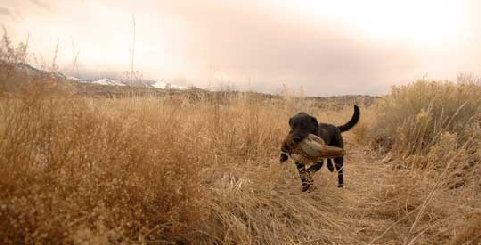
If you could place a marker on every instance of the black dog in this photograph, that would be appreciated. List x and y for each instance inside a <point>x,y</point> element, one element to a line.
<point>303,124</point>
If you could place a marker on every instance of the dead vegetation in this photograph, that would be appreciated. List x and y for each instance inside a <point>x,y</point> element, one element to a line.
<point>203,169</point>
<point>431,133</point>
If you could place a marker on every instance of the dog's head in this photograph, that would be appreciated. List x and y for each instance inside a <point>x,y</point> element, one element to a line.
<point>302,124</point>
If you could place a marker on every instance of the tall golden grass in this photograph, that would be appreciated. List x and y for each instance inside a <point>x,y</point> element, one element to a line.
<point>139,169</point>
<point>431,134</point>
<point>416,116</point>
<point>203,169</point>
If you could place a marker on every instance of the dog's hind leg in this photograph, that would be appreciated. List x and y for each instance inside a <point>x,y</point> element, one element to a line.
<point>305,176</point>
<point>340,171</point>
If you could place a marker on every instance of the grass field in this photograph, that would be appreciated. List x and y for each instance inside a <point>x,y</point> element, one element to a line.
<point>200,169</point>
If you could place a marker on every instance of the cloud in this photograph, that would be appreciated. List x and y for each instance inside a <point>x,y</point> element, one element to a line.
<point>258,45</point>
<point>254,48</point>
<point>40,4</point>
<point>4,11</point>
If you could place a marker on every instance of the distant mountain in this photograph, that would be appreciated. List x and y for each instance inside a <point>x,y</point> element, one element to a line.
<point>31,71</point>
<point>137,83</point>
<point>104,81</point>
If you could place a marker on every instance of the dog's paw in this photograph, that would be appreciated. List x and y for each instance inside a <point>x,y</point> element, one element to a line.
<point>283,157</point>
<point>305,186</point>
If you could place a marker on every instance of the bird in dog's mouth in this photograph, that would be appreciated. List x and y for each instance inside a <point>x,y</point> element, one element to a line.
<point>308,150</point>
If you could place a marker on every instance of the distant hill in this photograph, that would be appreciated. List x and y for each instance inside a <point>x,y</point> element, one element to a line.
<point>31,71</point>
<point>110,87</point>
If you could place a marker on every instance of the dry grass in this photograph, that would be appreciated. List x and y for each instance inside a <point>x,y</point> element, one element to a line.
<point>140,169</point>
<point>416,116</point>
<point>200,169</point>
<point>431,131</point>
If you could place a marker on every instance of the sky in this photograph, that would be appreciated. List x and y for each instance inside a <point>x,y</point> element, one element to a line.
<point>322,48</point>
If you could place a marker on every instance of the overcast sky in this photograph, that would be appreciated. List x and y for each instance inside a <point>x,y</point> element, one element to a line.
<point>324,47</point>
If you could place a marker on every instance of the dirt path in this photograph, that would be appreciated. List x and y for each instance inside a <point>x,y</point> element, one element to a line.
<point>348,215</point>
<point>367,177</point>
<point>352,205</point>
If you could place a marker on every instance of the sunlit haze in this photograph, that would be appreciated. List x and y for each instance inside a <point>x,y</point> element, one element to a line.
<point>320,47</point>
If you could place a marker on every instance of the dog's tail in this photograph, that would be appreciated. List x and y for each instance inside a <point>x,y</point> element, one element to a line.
<point>354,119</point>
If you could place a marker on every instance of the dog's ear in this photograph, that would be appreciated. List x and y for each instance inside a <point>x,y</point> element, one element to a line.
<point>290,122</point>
<point>314,121</point>
<point>315,125</point>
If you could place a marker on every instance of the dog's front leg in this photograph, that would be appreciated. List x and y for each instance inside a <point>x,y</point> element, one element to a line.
<point>305,176</point>
<point>315,167</point>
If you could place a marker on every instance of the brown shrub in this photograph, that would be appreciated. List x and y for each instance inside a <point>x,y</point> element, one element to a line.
<point>67,166</point>
<point>431,133</point>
